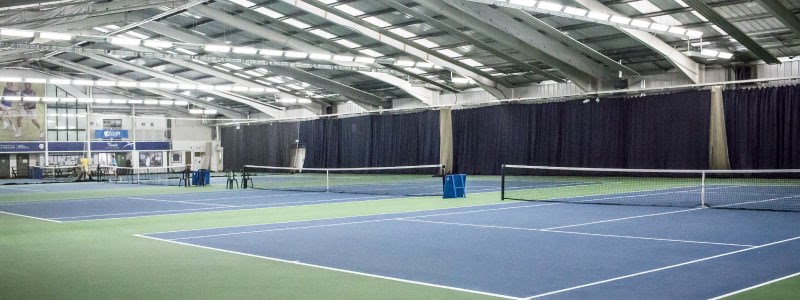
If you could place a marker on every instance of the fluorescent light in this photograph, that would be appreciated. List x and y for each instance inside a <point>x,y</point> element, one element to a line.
<point>244,3</point>
<point>30,99</point>
<point>239,88</point>
<point>366,60</point>
<point>82,82</point>
<point>124,41</point>
<point>166,102</point>
<point>427,43</point>
<point>296,23</point>
<point>210,111</point>
<point>287,100</point>
<point>402,32</point>
<point>14,79</point>
<point>222,88</point>
<point>184,86</point>
<point>347,43</point>
<point>245,50</point>
<point>342,58</point>
<point>377,22</point>
<point>549,6</point>
<point>168,86</point>
<point>103,101</point>
<point>12,98</point>
<point>270,90</point>
<point>640,23</point>
<point>709,52</point>
<point>35,80</point>
<point>725,55</point>
<point>148,84</point>
<point>157,44</point>
<point>196,111</point>
<point>135,101</point>
<point>523,2</point>
<point>449,53</point>
<point>50,99</point>
<point>269,13</point>
<point>303,100</point>
<point>659,27</point>
<point>575,11</point>
<point>60,81</point>
<point>232,66</point>
<point>55,36</point>
<point>127,83</point>
<point>84,100</point>
<point>320,56</point>
<point>150,102</point>
<point>181,102</point>
<point>405,63</point>
<point>677,30</point>
<point>424,65</point>
<point>119,101</point>
<point>598,15</point>
<point>323,33</point>
<point>217,48</point>
<point>269,52</point>
<point>371,52</point>
<point>105,83</point>
<point>694,33</point>
<point>295,54</point>
<point>192,53</point>
<point>67,99</point>
<point>204,87</point>
<point>17,32</point>
<point>461,80</point>
<point>620,19</point>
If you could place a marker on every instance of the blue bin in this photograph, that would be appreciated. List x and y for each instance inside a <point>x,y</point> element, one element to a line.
<point>455,186</point>
<point>195,177</point>
<point>37,173</point>
<point>201,177</point>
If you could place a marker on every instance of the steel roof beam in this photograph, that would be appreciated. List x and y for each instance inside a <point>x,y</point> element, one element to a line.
<point>423,94</point>
<point>73,12</point>
<point>467,38</point>
<point>783,14</point>
<point>732,30</point>
<point>686,65</point>
<point>486,81</point>
<point>110,76</point>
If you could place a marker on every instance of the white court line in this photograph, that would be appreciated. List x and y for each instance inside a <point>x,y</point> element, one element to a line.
<point>30,217</point>
<point>332,218</point>
<point>577,233</point>
<point>755,286</point>
<point>758,201</point>
<point>257,196</point>
<point>279,229</point>
<point>627,218</point>
<point>20,189</point>
<point>209,209</point>
<point>335,269</point>
<point>662,268</point>
<point>182,202</point>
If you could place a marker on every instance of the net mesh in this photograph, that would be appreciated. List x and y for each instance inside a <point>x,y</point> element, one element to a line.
<point>423,180</point>
<point>736,189</point>
<point>171,175</point>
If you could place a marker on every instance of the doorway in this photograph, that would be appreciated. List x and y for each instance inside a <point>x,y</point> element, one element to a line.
<point>5,166</point>
<point>23,163</point>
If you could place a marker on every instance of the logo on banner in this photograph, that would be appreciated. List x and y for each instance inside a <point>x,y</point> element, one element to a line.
<point>111,134</point>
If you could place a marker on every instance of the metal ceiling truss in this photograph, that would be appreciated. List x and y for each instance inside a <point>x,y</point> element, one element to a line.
<point>733,31</point>
<point>498,87</point>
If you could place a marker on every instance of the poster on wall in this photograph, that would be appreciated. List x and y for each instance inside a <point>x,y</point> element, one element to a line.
<point>22,120</point>
<point>177,158</point>
<point>151,159</point>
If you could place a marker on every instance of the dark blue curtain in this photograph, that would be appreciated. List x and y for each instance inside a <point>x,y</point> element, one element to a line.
<point>661,131</point>
<point>263,144</point>
<point>763,127</point>
<point>372,141</point>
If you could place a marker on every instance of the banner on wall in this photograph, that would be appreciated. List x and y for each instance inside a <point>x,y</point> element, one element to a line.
<point>22,120</point>
<point>111,134</point>
<point>21,147</point>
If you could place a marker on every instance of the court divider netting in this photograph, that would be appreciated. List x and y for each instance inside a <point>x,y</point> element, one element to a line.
<point>737,189</point>
<point>176,175</point>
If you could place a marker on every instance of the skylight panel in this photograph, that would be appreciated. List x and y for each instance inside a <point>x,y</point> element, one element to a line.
<point>349,10</point>
<point>269,13</point>
<point>232,66</point>
<point>323,33</point>
<point>138,35</point>
<point>415,71</point>
<point>427,43</point>
<point>377,22</point>
<point>347,43</point>
<point>254,73</point>
<point>371,52</point>
<point>296,23</point>
<point>244,3</point>
<point>667,20</point>
<point>402,32</point>
<point>471,62</point>
<point>450,53</point>
<point>644,6</point>
<point>185,51</point>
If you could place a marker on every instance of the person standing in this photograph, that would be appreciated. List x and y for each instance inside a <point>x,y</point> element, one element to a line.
<point>29,110</point>
<point>6,108</point>
<point>85,169</point>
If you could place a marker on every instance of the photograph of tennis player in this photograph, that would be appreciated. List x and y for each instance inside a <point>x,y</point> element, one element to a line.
<point>22,120</point>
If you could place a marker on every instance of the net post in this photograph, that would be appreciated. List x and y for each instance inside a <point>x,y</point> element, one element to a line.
<point>703,189</point>
<point>503,182</point>
<point>327,180</point>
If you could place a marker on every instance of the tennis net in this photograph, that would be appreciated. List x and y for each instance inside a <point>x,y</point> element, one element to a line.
<point>424,180</point>
<point>55,173</point>
<point>171,175</point>
<point>736,189</point>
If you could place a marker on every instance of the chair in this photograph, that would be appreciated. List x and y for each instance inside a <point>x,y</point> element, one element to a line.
<point>13,172</point>
<point>231,180</point>
<point>245,179</point>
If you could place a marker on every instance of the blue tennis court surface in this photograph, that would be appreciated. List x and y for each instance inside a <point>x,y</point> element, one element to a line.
<point>537,250</point>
